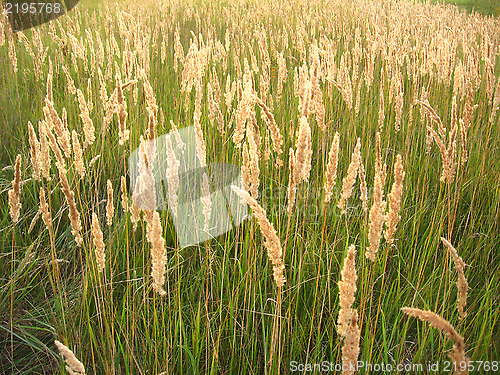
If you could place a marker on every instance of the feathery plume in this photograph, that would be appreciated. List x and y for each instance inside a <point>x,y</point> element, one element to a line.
<point>272,242</point>
<point>73,365</point>
<point>172,176</point>
<point>44,160</point>
<point>15,192</point>
<point>158,252</point>
<point>347,291</point>
<point>123,187</point>
<point>394,197</point>
<point>229,92</point>
<point>71,83</point>
<point>135,213</point>
<point>49,81</point>
<point>331,168</point>
<point>45,209</point>
<point>292,183</point>
<point>52,118</point>
<point>63,134</point>
<point>350,349</point>
<point>78,153</point>
<point>88,125</point>
<point>303,152</point>
<point>34,152</point>
<point>253,153</point>
<point>144,195</point>
<point>276,136</point>
<point>245,169</point>
<point>98,240</point>
<point>349,181</point>
<point>363,188</point>
<point>74,215</point>
<point>60,163</point>
<point>496,103</point>
<point>462,284</point>
<point>444,326</point>
<point>377,216</point>
<point>206,202</point>
<point>110,207</point>
<point>121,104</point>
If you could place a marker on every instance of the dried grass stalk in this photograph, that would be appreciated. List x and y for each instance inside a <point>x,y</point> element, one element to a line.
<point>111,107</point>
<point>71,82</point>
<point>331,168</point>
<point>206,202</point>
<point>73,365</point>
<point>201,148</point>
<point>253,153</point>
<point>292,184</point>
<point>245,106</point>
<point>98,240</point>
<point>78,154</point>
<point>45,210</point>
<point>50,77</point>
<point>444,326</point>
<point>144,195</point>
<point>74,215</point>
<point>158,252</point>
<point>172,177</point>
<point>272,241</point>
<point>34,152</point>
<point>350,349</point>
<point>123,132</point>
<point>393,217</point>
<point>123,187</point>
<point>462,284</point>
<point>88,125</point>
<point>110,206</point>
<point>60,163</point>
<point>433,116</point>
<point>496,103</point>
<point>151,105</point>
<point>276,136</point>
<point>448,153</point>
<point>44,159</point>
<point>15,192</point>
<point>465,123</point>
<point>381,108</point>
<point>303,152</point>
<point>349,181</point>
<point>245,169</point>
<point>347,291</point>
<point>62,132</point>
<point>363,187</point>
<point>377,211</point>
<point>135,214</point>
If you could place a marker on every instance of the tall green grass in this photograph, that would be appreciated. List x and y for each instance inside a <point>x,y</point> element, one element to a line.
<point>217,315</point>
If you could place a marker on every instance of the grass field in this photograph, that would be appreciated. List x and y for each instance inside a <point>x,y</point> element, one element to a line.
<point>366,130</point>
<point>486,7</point>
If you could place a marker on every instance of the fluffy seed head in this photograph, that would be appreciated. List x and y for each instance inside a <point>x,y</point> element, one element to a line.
<point>347,291</point>
<point>15,192</point>
<point>98,239</point>
<point>462,284</point>
<point>73,365</point>
<point>436,321</point>
<point>272,241</point>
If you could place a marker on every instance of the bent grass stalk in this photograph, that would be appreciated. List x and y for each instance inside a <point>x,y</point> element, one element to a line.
<point>458,355</point>
<point>275,253</point>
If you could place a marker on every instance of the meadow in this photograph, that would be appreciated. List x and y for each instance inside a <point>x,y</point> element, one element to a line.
<point>367,136</point>
<point>485,7</point>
